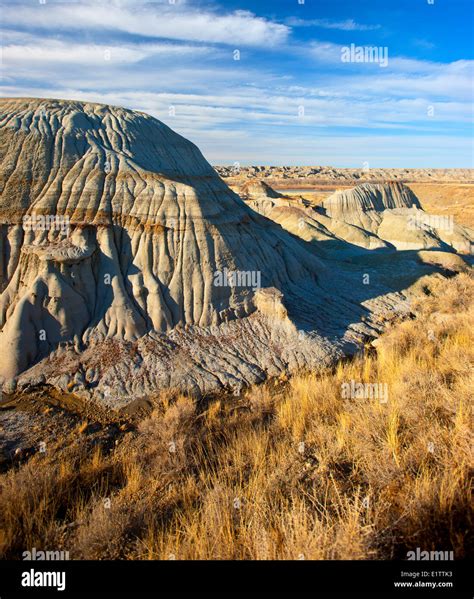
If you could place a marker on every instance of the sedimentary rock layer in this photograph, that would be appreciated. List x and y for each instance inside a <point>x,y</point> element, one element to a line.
<point>128,265</point>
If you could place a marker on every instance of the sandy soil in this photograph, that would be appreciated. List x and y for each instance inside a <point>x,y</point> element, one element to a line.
<point>36,420</point>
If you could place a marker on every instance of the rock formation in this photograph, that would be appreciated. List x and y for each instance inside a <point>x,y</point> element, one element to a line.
<point>392,212</point>
<point>263,199</point>
<point>307,176</point>
<point>368,216</point>
<point>128,265</point>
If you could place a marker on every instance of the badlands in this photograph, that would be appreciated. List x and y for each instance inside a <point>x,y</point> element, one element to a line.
<point>441,191</point>
<point>115,232</point>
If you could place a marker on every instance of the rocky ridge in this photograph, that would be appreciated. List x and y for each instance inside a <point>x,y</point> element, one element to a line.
<point>307,176</point>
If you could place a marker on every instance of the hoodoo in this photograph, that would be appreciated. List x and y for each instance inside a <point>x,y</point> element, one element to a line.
<point>112,229</point>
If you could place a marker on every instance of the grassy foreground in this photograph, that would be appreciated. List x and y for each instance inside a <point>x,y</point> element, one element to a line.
<point>289,471</point>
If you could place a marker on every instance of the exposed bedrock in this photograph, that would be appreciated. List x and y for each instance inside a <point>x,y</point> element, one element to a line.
<point>128,265</point>
<point>369,216</point>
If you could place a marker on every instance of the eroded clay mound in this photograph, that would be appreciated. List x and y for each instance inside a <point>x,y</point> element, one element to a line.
<point>330,234</point>
<point>128,265</point>
<point>368,217</point>
<point>369,197</point>
<point>392,212</point>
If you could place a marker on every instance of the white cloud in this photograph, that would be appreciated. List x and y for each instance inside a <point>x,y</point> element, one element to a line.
<point>325,52</point>
<point>255,127</point>
<point>417,79</point>
<point>158,20</point>
<point>50,51</point>
<point>346,25</point>
<point>402,77</point>
<point>238,110</point>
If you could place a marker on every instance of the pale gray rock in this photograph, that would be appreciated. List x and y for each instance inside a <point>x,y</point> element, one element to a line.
<point>120,279</point>
<point>392,212</point>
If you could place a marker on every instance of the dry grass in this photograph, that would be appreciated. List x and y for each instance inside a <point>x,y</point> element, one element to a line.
<point>291,471</point>
<point>449,199</point>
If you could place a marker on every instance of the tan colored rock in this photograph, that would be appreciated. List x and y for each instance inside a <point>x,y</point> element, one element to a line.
<point>393,213</point>
<point>369,216</point>
<point>270,303</point>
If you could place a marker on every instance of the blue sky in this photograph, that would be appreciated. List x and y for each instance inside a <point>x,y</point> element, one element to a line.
<point>288,99</point>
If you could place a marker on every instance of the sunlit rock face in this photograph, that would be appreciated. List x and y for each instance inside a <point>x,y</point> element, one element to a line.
<point>393,213</point>
<point>127,264</point>
<point>371,216</point>
<point>367,198</point>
